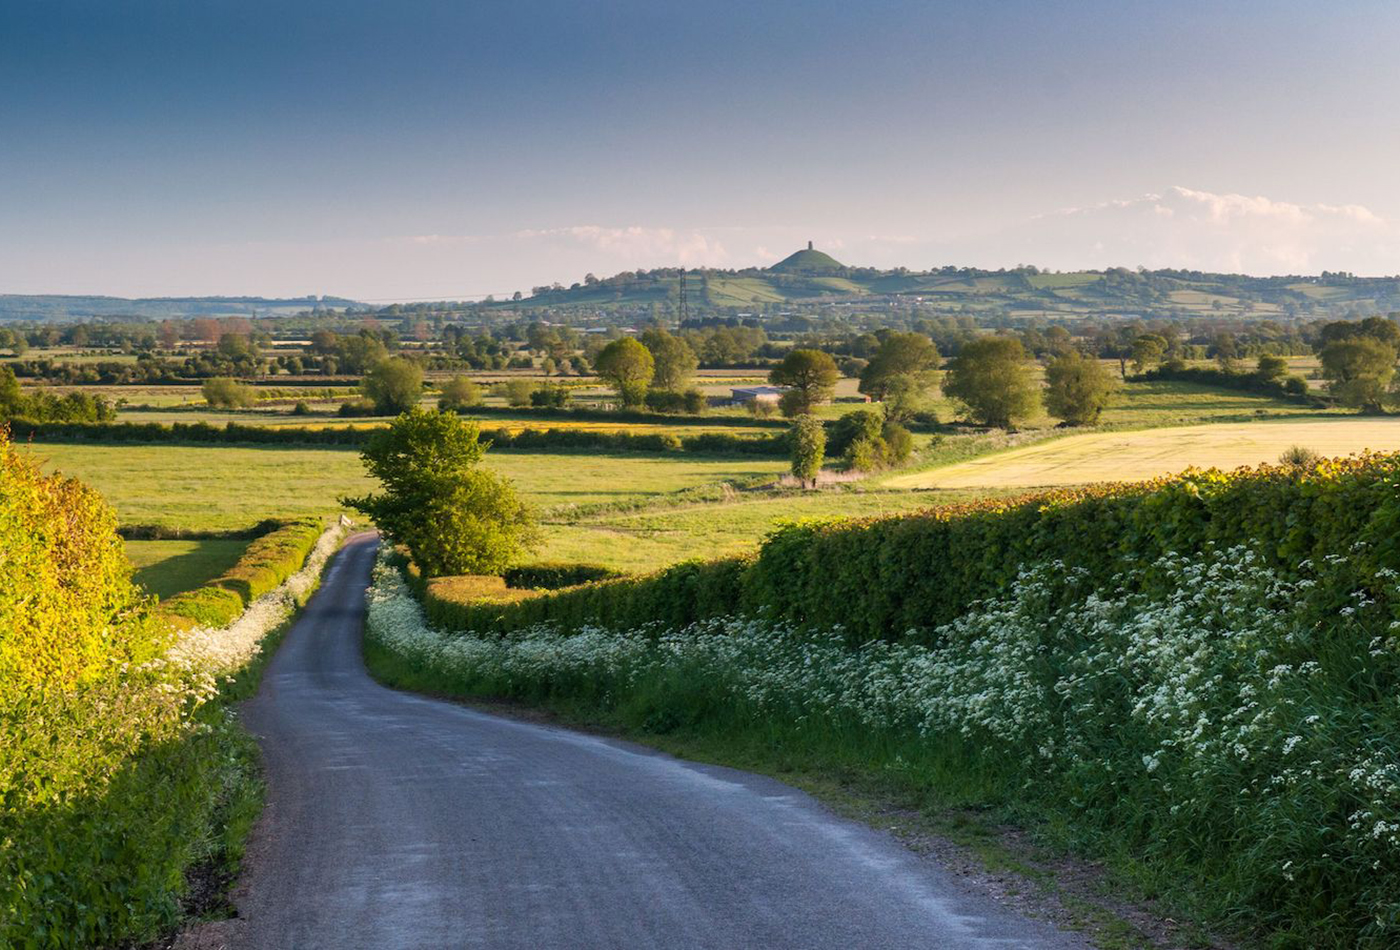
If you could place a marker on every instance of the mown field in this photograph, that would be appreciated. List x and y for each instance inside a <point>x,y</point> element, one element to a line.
<point>1147,453</point>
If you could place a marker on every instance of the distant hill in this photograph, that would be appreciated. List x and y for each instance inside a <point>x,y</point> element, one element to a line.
<point>810,279</point>
<point>56,308</point>
<point>808,261</point>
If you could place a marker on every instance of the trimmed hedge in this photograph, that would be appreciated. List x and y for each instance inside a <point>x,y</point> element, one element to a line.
<point>537,440</point>
<point>552,575</point>
<point>902,576</point>
<point>268,561</point>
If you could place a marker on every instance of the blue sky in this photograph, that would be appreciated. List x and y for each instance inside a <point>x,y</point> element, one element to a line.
<point>420,150</point>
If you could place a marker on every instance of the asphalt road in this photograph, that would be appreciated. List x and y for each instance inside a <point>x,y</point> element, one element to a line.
<point>399,821</point>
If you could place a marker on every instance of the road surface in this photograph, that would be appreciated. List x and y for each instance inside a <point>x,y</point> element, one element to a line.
<point>397,821</point>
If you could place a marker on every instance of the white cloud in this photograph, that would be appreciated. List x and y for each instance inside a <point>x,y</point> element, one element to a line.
<point>1190,228</point>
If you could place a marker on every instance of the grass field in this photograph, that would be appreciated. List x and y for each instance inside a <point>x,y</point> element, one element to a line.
<point>166,568</point>
<point>1146,453</point>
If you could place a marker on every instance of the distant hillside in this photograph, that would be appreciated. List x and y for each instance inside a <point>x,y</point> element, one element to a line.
<point>55,308</point>
<point>808,261</point>
<point>811,279</point>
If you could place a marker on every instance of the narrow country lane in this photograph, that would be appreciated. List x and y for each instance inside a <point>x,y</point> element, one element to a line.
<point>399,821</point>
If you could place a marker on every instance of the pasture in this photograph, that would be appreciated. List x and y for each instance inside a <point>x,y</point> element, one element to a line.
<point>166,568</point>
<point>1147,453</point>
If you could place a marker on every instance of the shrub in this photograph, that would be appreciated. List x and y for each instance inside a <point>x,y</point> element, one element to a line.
<point>551,397</point>
<point>554,575</point>
<point>661,400</point>
<point>516,392</point>
<point>223,392</point>
<point>1292,388</point>
<point>1299,456</point>
<point>459,393</point>
<point>808,448</point>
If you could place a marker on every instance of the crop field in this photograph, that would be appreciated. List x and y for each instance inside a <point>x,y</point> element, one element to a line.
<point>166,568</point>
<point>1147,453</point>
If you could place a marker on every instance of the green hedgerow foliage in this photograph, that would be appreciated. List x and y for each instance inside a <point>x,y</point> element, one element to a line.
<point>808,447</point>
<point>266,563</point>
<point>110,773</point>
<point>453,516</point>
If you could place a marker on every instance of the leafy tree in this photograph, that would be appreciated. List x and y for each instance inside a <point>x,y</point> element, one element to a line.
<point>393,385</point>
<point>454,516</point>
<point>1226,350</point>
<point>1360,370</point>
<point>867,440</point>
<point>674,360</point>
<point>808,448</point>
<point>1376,328</point>
<point>1148,350</point>
<point>459,393</point>
<point>904,362</point>
<point>1271,367</point>
<point>989,376</point>
<point>810,376</point>
<point>551,397</point>
<point>628,367</point>
<point>1077,388</point>
<point>223,392</point>
<point>517,392</point>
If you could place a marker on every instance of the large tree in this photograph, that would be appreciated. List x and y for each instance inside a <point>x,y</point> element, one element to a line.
<point>674,360</point>
<point>900,372</point>
<point>628,367</point>
<point>1077,388</point>
<point>810,376</point>
<point>393,385</point>
<point>990,376</point>
<point>808,448</point>
<point>1360,369</point>
<point>454,516</point>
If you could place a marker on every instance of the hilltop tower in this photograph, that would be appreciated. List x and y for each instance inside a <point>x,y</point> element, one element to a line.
<point>809,245</point>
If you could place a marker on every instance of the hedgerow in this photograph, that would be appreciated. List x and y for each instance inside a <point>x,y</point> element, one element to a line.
<point>538,440</point>
<point>268,561</point>
<point>119,766</point>
<point>901,577</point>
<point>1207,722</point>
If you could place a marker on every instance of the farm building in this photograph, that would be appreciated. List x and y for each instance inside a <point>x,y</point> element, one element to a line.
<point>747,394</point>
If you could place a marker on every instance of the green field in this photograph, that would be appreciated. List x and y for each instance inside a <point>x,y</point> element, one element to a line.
<point>166,568</point>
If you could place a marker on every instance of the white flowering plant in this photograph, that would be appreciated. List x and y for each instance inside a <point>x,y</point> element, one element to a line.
<point>1228,732</point>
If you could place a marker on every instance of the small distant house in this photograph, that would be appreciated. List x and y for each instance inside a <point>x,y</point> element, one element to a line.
<point>744,395</point>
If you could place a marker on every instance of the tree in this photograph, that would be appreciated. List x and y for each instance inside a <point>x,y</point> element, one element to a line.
<point>628,367</point>
<point>904,361</point>
<point>223,392</point>
<point>810,376</point>
<point>989,376</point>
<point>393,385</point>
<point>454,516</point>
<point>808,448</point>
<point>1077,388</point>
<point>1226,351</point>
<point>459,393</point>
<point>516,392</point>
<point>1271,367</point>
<point>1148,350</point>
<point>1360,370</point>
<point>866,440</point>
<point>674,360</point>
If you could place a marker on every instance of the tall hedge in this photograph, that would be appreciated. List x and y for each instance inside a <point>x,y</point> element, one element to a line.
<point>902,576</point>
<point>110,781</point>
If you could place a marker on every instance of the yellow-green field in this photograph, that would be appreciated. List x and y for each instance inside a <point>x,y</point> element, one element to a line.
<point>1147,453</point>
<point>166,568</point>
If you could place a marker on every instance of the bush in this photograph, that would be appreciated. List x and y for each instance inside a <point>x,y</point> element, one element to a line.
<point>226,393</point>
<point>1291,388</point>
<point>459,393</point>
<point>661,400</point>
<point>393,385</point>
<point>551,397</point>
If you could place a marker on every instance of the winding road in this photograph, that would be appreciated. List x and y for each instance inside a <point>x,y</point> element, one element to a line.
<point>397,821</point>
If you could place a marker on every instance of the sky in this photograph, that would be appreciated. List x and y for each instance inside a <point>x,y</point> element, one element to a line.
<point>432,150</point>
